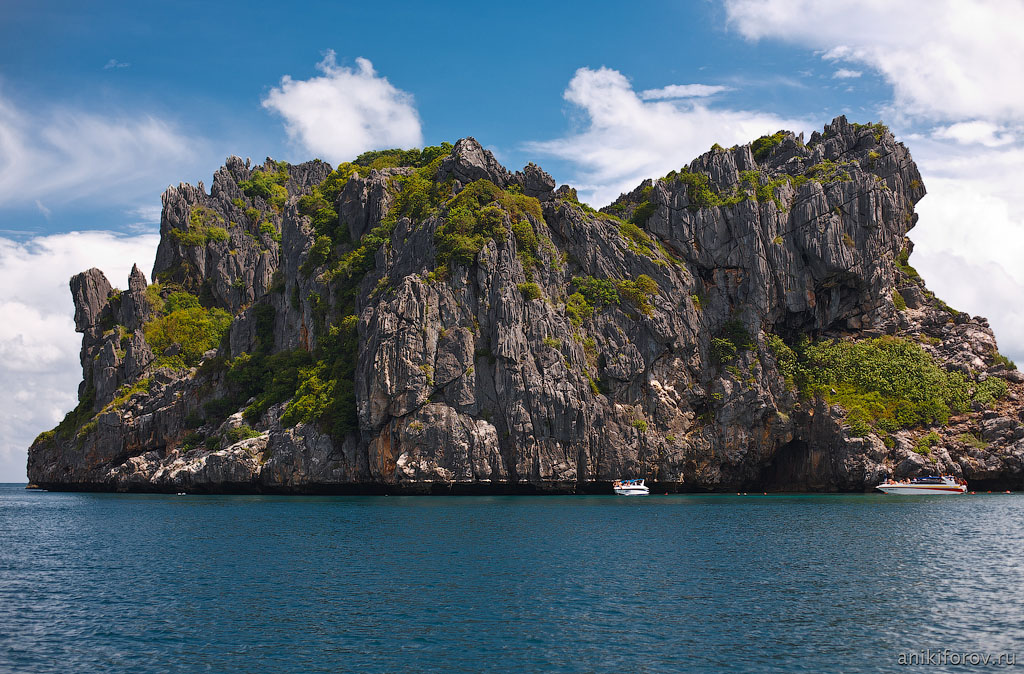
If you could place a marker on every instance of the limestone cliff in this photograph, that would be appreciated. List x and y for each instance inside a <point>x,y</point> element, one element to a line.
<point>432,322</point>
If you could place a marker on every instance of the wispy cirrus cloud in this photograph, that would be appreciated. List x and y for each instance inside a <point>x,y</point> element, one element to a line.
<point>683,91</point>
<point>57,154</point>
<point>345,111</point>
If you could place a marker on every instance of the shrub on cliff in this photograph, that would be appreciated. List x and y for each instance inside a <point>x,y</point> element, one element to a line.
<point>699,190</point>
<point>204,225</point>
<point>477,214</point>
<point>193,329</point>
<point>887,383</point>
<point>530,291</point>
<point>637,239</point>
<point>731,339</point>
<point>639,292</point>
<point>763,146</point>
<point>377,159</point>
<point>598,292</point>
<point>1000,359</point>
<point>239,433</point>
<point>578,309</point>
<point>268,185</point>
<point>325,391</point>
<point>988,391</point>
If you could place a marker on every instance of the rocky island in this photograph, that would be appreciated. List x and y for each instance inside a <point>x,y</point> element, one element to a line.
<point>425,321</point>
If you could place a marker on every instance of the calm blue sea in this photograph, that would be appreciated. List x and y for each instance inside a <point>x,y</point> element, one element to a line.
<point>152,583</point>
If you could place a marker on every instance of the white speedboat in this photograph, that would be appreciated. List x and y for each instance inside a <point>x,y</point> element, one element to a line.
<point>944,484</point>
<point>630,488</point>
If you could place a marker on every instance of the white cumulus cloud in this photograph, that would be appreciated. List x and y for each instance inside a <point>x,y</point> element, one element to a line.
<point>54,155</point>
<point>846,74</point>
<point>976,131</point>
<point>628,139</point>
<point>39,347</point>
<point>345,111</point>
<point>972,221</point>
<point>945,59</point>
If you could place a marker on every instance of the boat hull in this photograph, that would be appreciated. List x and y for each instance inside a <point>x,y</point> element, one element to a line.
<point>907,489</point>
<point>634,487</point>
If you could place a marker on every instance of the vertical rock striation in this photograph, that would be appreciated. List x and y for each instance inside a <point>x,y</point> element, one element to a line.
<point>446,324</point>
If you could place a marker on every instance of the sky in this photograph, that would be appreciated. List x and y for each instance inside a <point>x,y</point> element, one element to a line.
<point>105,104</point>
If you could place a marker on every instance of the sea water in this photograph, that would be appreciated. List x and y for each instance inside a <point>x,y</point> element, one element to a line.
<point>155,583</point>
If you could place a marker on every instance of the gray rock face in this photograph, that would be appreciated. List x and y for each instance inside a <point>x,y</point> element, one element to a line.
<point>467,378</point>
<point>469,161</point>
<point>135,309</point>
<point>364,202</point>
<point>90,291</point>
<point>535,182</point>
<point>224,246</point>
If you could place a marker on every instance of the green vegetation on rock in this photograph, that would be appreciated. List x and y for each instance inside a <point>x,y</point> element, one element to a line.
<point>326,391</point>
<point>878,129</point>
<point>477,214</point>
<point>204,226</point>
<point>988,391</point>
<point>972,440</point>
<point>925,443</point>
<point>731,339</point>
<point>263,378</point>
<point>529,291</point>
<point>639,292</point>
<point>320,385</point>
<point>785,358</point>
<point>578,309</point>
<point>903,265</point>
<point>185,324</point>
<point>416,158</point>
<point>642,213</point>
<point>1000,359</point>
<point>239,433</point>
<point>318,254</point>
<point>763,146</point>
<point>637,239</point>
<point>751,183</point>
<point>597,292</point>
<point>699,189</point>
<point>127,391</point>
<point>594,293</point>
<point>829,171</point>
<point>268,185</point>
<point>886,383</point>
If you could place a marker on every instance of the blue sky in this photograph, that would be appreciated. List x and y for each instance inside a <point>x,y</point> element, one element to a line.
<point>496,72</point>
<point>104,104</point>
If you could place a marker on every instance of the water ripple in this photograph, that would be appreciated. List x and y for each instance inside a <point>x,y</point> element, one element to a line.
<point>147,583</point>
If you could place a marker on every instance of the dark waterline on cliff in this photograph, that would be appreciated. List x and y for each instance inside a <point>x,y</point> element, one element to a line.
<point>147,583</point>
